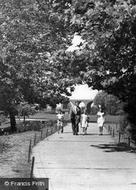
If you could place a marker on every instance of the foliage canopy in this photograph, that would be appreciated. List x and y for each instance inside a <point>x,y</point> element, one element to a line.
<point>35,64</point>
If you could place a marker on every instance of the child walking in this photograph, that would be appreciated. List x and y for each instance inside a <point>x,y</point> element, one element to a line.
<point>60,117</point>
<point>84,122</point>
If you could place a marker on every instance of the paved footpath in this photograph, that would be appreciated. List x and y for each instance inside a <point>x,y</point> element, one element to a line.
<point>89,162</point>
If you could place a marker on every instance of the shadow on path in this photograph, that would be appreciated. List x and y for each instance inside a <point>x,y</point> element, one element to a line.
<point>96,134</point>
<point>67,132</point>
<point>121,147</point>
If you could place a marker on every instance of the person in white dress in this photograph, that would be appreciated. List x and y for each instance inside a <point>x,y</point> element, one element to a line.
<point>84,122</point>
<point>82,106</point>
<point>100,120</point>
<point>60,117</point>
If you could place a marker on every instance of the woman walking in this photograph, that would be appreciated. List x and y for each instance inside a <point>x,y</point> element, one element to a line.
<point>100,120</point>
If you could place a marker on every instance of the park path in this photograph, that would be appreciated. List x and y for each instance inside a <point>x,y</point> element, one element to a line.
<point>89,162</point>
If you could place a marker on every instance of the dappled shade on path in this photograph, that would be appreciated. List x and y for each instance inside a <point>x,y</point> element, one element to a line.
<point>115,147</point>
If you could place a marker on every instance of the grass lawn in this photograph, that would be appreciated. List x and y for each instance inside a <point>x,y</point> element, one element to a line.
<point>48,116</point>
<point>14,154</point>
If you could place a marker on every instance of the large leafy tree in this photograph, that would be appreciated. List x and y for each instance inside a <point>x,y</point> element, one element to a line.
<point>30,32</point>
<point>109,30</point>
<point>113,68</point>
<point>106,60</point>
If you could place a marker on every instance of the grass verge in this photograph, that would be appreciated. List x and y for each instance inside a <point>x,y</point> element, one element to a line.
<point>14,154</point>
<point>14,151</point>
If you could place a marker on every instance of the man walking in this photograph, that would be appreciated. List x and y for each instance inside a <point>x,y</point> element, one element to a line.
<point>72,117</point>
<point>77,118</point>
<point>75,114</point>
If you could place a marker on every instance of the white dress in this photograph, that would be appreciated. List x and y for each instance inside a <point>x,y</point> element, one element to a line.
<point>59,120</point>
<point>84,123</point>
<point>101,119</point>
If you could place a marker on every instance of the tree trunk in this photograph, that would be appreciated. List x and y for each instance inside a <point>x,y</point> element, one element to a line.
<point>12,122</point>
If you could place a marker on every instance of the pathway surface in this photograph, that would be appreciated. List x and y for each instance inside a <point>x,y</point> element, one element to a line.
<point>89,162</point>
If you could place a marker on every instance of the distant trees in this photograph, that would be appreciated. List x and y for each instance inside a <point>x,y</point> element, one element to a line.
<point>109,102</point>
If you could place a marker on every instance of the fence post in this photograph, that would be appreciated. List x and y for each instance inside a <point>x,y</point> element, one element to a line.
<point>44,133</point>
<point>50,130</point>
<point>29,151</point>
<point>35,139</point>
<point>32,168</point>
<point>109,128</point>
<point>119,137</point>
<point>41,133</point>
<point>129,141</point>
<point>1,148</point>
<point>116,127</point>
<point>113,133</point>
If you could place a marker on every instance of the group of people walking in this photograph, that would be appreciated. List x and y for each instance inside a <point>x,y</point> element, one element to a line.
<point>79,118</point>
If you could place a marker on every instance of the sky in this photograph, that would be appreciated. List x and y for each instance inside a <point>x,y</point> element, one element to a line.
<point>75,42</point>
<point>81,91</point>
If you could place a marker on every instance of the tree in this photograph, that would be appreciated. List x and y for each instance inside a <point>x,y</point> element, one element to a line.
<point>24,109</point>
<point>108,27</point>
<point>30,32</point>
<point>109,102</point>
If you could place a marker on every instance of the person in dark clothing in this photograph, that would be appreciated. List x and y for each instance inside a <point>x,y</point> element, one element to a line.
<point>77,118</point>
<point>73,116</point>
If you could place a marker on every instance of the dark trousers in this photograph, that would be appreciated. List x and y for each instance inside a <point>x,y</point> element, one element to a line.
<point>73,125</point>
<point>77,121</point>
<point>60,130</point>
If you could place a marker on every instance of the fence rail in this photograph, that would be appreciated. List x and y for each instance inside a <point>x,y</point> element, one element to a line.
<point>119,134</point>
<point>45,132</point>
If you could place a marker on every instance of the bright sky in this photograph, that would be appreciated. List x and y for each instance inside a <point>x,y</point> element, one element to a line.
<point>75,42</point>
<point>83,92</point>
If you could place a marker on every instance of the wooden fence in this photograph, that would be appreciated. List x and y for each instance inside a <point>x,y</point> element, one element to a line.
<point>44,133</point>
<point>120,133</point>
